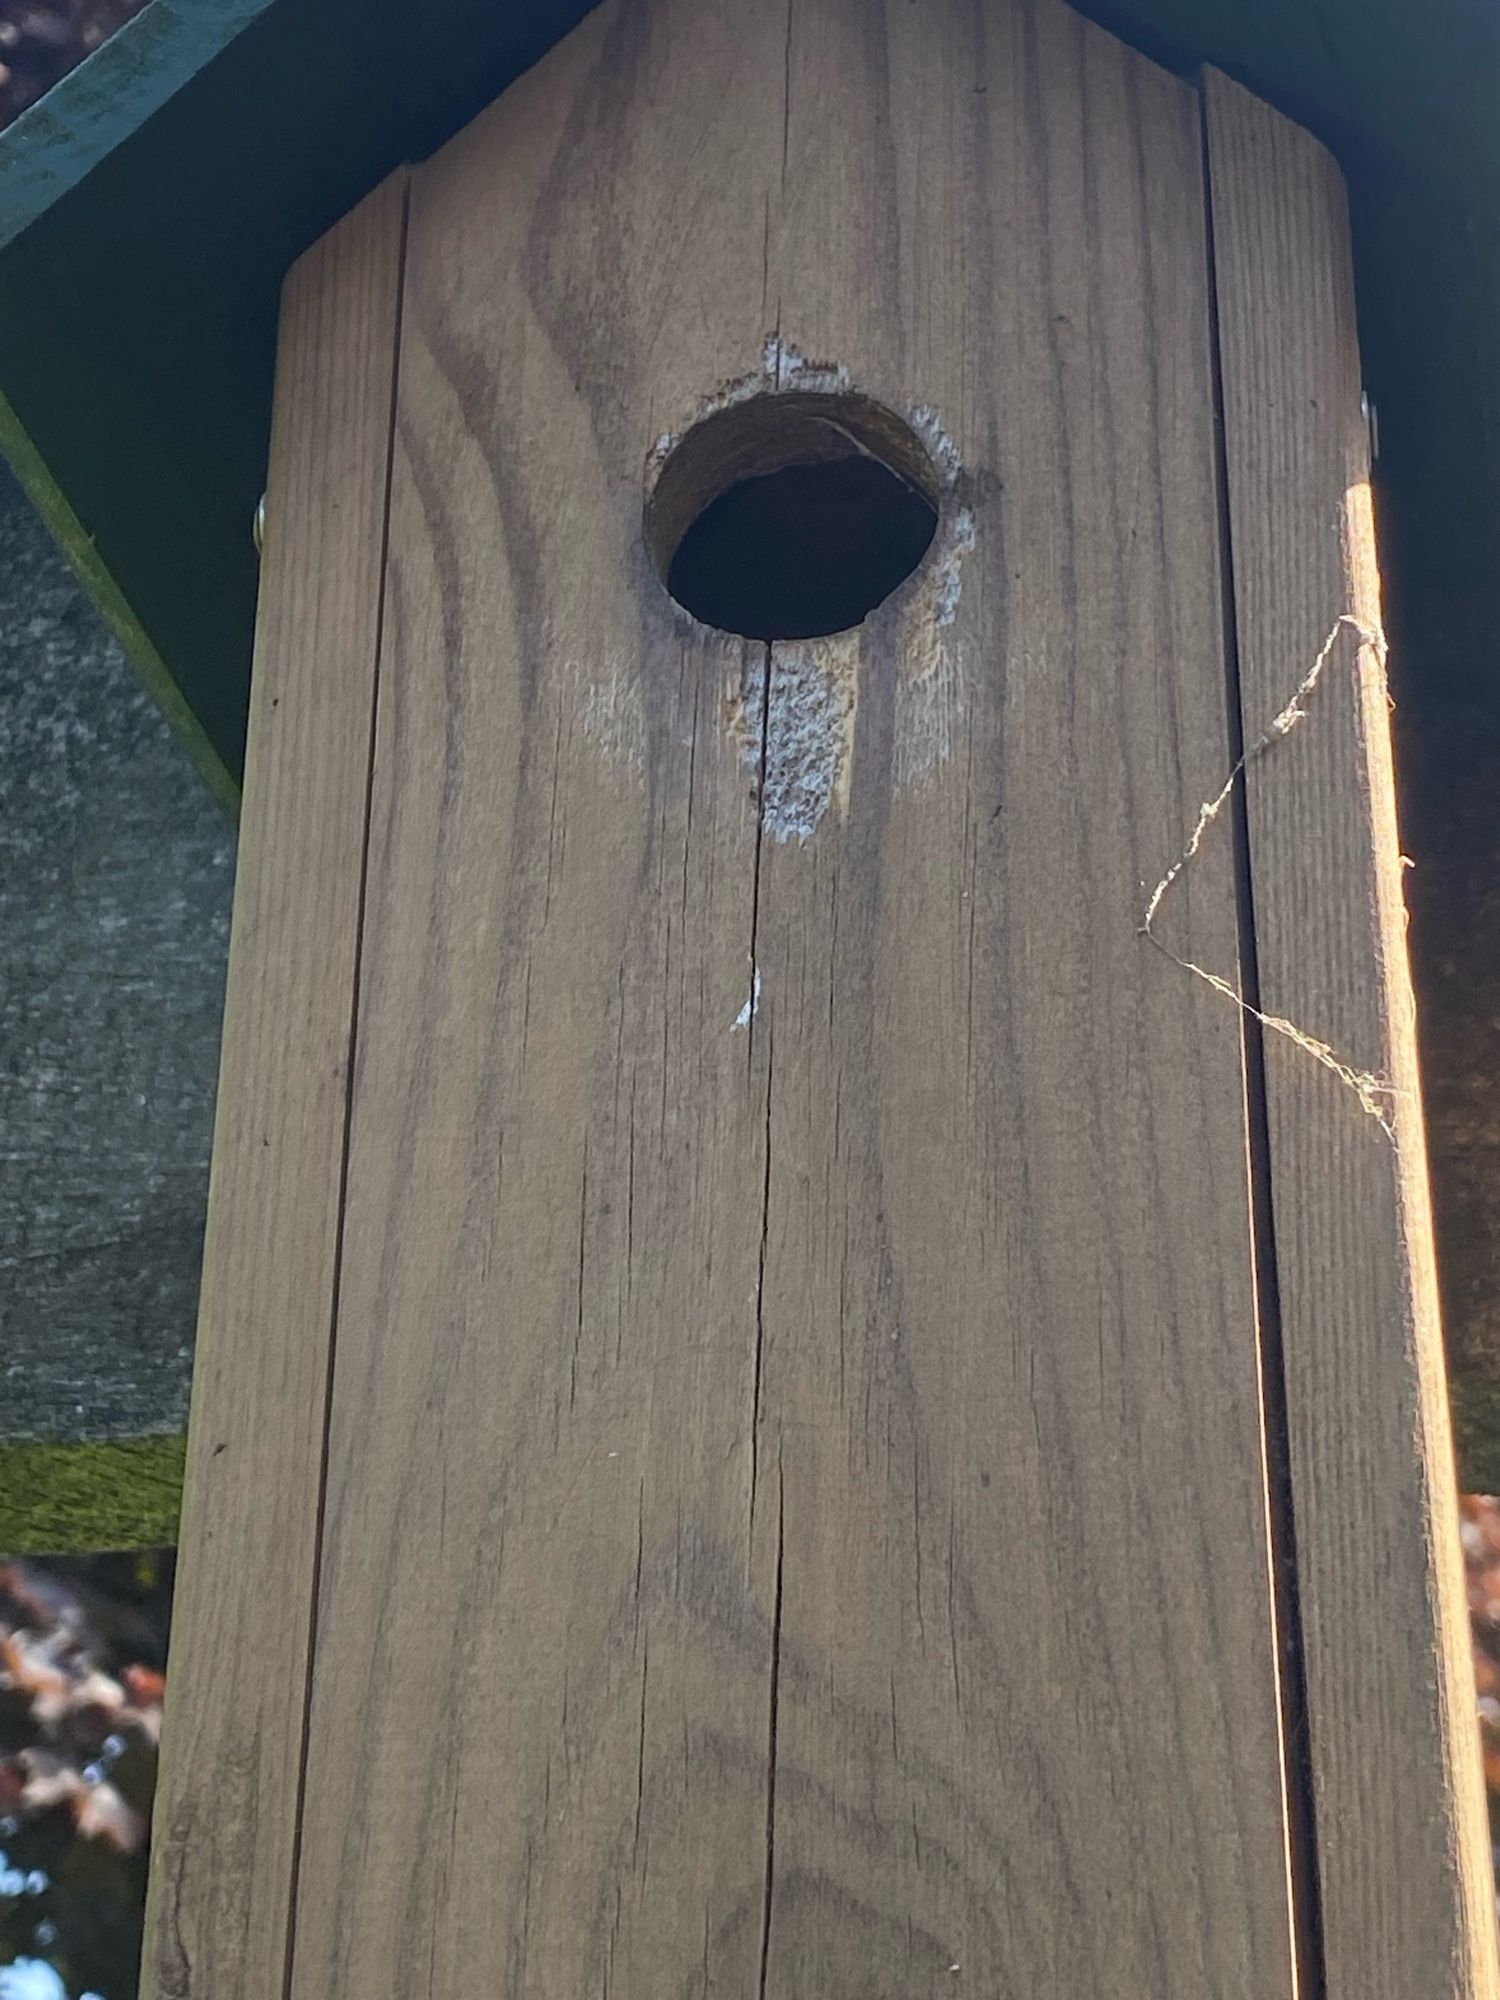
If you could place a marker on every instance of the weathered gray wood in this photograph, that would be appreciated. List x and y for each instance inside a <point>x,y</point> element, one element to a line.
<point>229,1794</point>
<point>1403,1864</point>
<point>795,1517</point>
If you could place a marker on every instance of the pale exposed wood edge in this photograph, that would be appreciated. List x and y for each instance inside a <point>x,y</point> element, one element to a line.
<point>219,1907</point>
<point>1389,1680</point>
<point>1434,1469</point>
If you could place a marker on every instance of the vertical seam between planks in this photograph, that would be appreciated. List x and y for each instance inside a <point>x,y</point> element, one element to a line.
<point>293,1900</point>
<point>767,667</point>
<point>1309,1957</point>
<point>768,1907</point>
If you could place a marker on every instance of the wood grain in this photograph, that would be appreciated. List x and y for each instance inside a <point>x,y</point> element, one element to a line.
<point>1406,1889</point>
<point>796,1518</point>
<point>230,1789</point>
<point>1033,1726</point>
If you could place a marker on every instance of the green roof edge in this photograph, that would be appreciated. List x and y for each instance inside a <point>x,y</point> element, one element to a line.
<point>72,127</point>
<point>69,533</point>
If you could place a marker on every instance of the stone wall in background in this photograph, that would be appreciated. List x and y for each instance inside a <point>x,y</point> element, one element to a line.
<point>116,871</point>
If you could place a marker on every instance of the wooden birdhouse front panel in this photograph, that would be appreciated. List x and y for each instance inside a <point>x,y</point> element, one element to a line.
<point>818,1368</point>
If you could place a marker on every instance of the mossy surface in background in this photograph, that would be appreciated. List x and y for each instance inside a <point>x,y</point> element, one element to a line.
<point>65,1499</point>
<point>1476,1432</point>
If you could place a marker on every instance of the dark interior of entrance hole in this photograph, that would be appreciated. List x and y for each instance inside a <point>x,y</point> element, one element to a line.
<point>792,515</point>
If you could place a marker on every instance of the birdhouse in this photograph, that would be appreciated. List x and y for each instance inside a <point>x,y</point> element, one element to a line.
<point>819,1368</point>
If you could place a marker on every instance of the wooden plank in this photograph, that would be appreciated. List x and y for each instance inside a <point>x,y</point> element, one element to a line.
<point>537,1756</point>
<point>795,1511</point>
<point>227,1805</point>
<point>1403,1865</point>
<point>1027,1720</point>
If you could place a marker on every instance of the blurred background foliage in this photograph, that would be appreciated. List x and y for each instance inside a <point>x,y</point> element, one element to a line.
<point>1480,1528</point>
<point>82,1650</point>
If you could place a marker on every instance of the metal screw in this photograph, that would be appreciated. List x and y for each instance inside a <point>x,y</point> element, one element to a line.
<point>1371,416</point>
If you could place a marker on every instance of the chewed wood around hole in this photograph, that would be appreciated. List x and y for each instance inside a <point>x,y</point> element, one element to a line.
<point>792,514</point>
